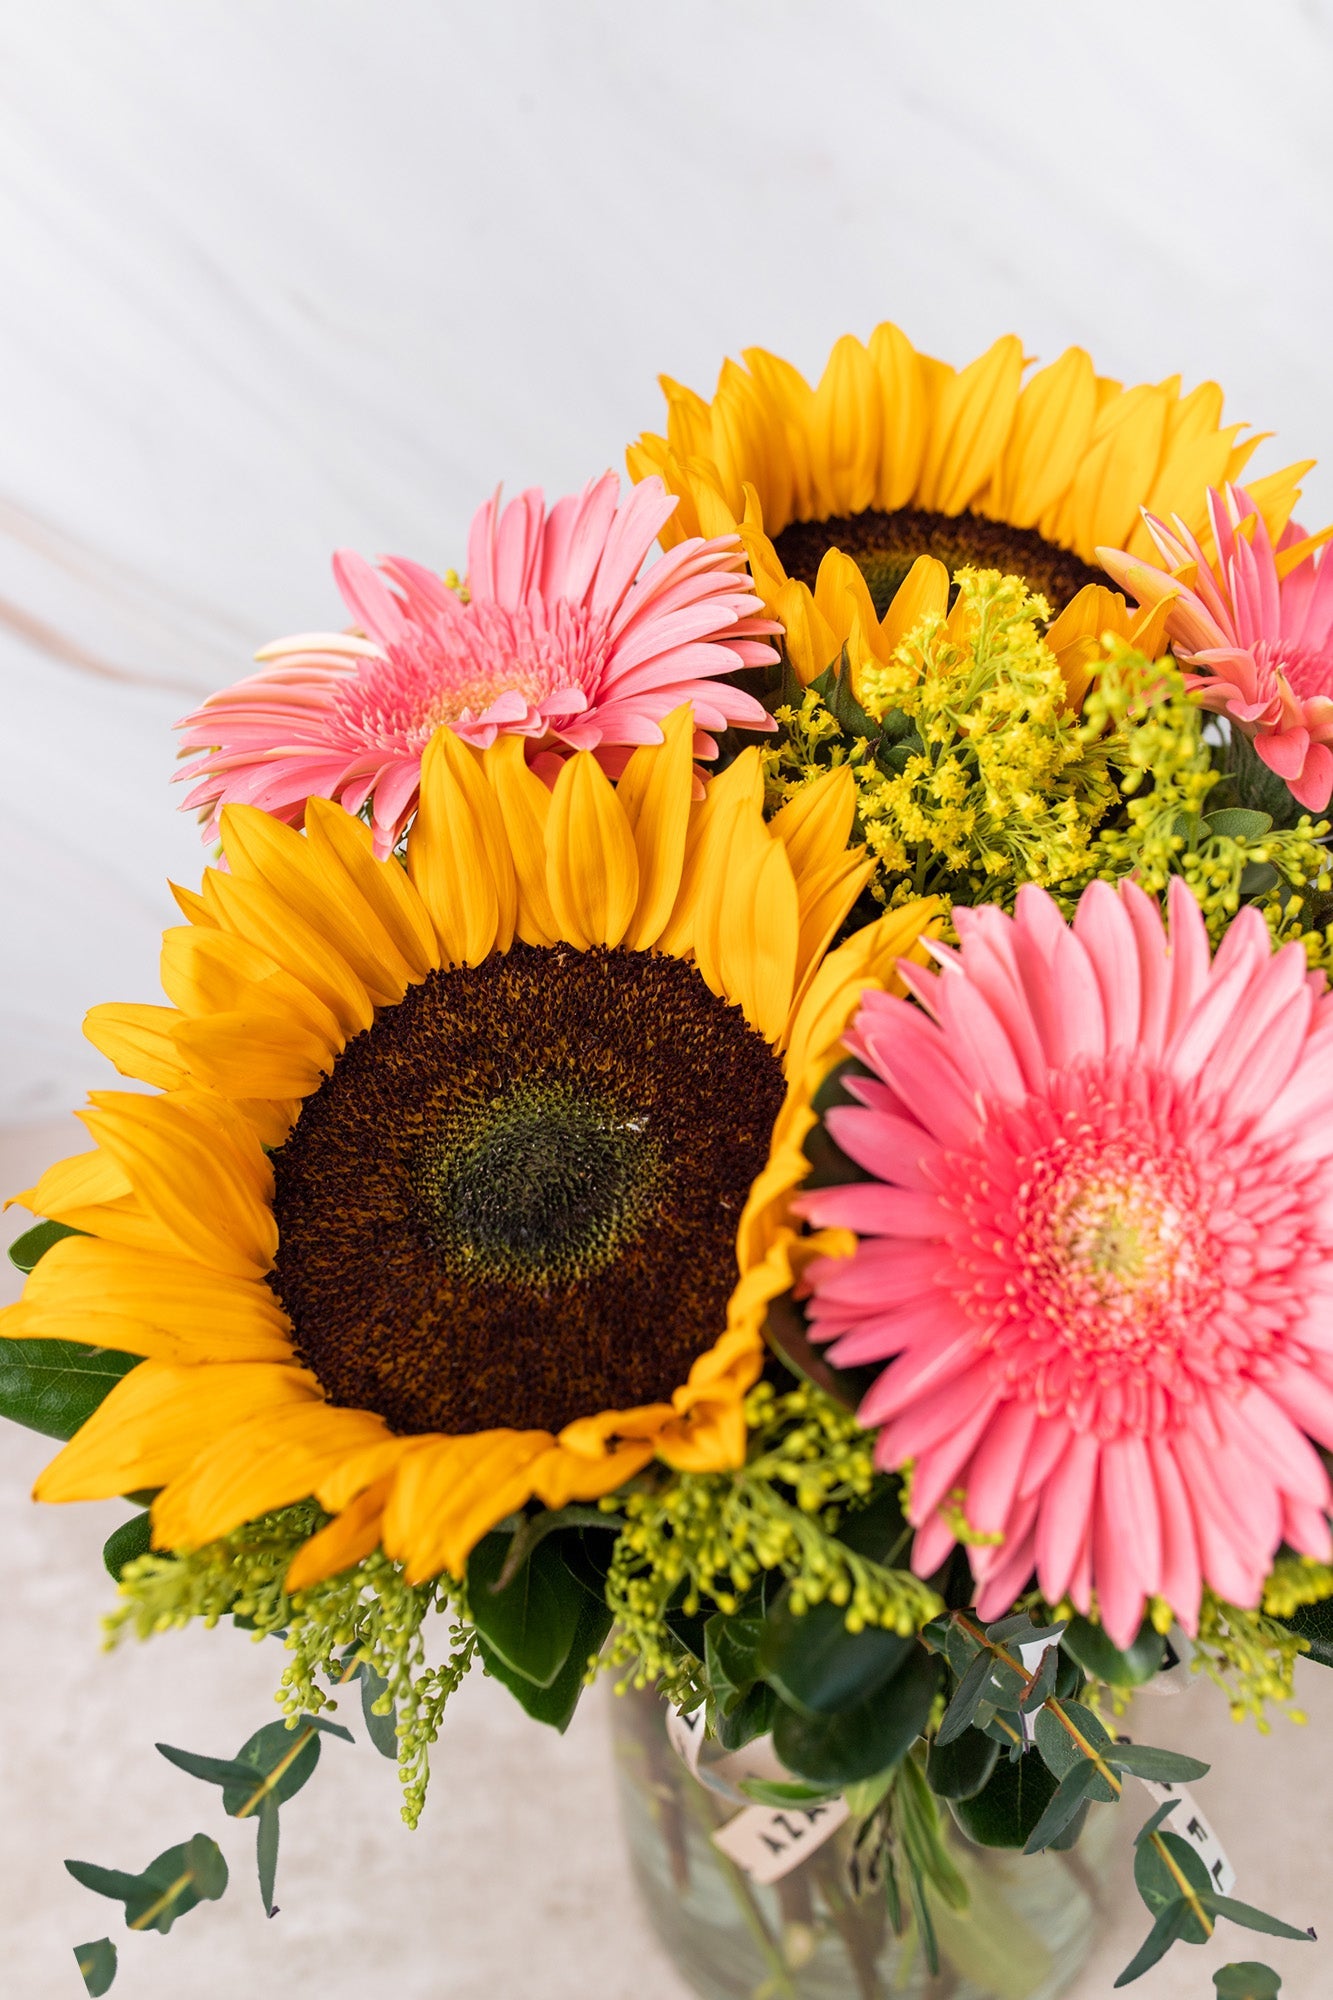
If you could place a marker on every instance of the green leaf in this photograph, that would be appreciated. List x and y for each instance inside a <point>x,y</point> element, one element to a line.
<point>276,1762</point>
<point>1159,1887</point>
<point>53,1386</point>
<point>867,1793</point>
<point>534,1528</point>
<point>381,1729</point>
<point>818,1666</point>
<point>266,1853</point>
<point>1252,1919</point>
<point>834,686</point>
<point>170,1886</point>
<point>1089,1645</point>
<point>866,1738</point>
<point>1314,1622</point>
<point>1061,1753</point>
<point>1069,1795</point>
<point>959,1769</point>
<point>961,1712</point>
<point>1236,823</point>
<point>752,1717</point>
<point>97,1963</point>
<point>529,1624</point>
<point>28,1250</point>
<point>1009,1805</point>
<point>1247,1980</point>
<point>767,1792</point>
<point>1043,1685</point>
<point>1161,1767</point>
<point>1158,1942</point>
<point>132,1538</point>
<point>731,1656</point>
<point>555,1705</point>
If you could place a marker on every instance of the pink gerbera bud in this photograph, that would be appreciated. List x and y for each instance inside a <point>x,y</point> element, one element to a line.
<point>1095,1250</point>
<point>560,638</point>
<point>1259,621</point>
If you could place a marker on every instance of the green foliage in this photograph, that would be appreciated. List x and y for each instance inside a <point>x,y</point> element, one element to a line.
<point>97,1963</point>
<point>1088,1644</point>
<point>867,1736</point>
<point>706,1538</point>
<point>53,1386</point>
<point>173,1884</point>
<point>555,1704</point>
<point>369,1610</point>
<point>133,1538</point>
<point>1246,1980</point>
<point>28,1250</point>
<point>817,1665</point>
<point>527,1623</point>
<point>960,1768</point>
<point>1008,1807</point>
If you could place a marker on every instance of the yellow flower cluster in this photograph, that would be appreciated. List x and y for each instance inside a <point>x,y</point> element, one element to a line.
<point>973,776</point>
<point>1175,821</point>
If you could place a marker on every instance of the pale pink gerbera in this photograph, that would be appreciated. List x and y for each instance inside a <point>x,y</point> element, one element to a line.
<point>1096,1251</point>
<point>1259,621</point>
<point>561,640</point>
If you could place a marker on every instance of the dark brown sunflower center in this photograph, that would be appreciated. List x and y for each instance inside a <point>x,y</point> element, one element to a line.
<point>515,1200</point>
<point>884,547</point>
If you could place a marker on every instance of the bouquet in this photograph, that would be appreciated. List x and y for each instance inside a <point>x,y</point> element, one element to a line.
<point>758,1120</point>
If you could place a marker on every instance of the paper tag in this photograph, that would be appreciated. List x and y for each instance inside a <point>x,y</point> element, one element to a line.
<point>1032,1652</point>
<point>1193,1825</point>
<point>768,1841</point>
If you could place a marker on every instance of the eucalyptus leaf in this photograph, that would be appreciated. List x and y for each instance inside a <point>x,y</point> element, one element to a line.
<point>1160,1767</point>
<point>862,1740</point>
<point>962,1710</point>
<point>1252,1919</point>
<point>1168,1927</point>
<point>266,1854</point>
<point>169,1886</point>
<point>1239,823</point>
<point>97,1963</point>
<point>53,1386</point>
<point>530,1621</point>
<point>1158,1886</point>
<point>1061,1752</point>
<point>1070,1794</point>
<point>381,1729</point>
<point>771,1792</point>
<point>28,1250</point>
<point>1138,1662</point>
<point>1247,1980</point>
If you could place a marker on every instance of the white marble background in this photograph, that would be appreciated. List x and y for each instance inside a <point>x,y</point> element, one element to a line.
<point>277,275</point>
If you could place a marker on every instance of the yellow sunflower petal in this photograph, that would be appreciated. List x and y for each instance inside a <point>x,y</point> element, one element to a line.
<point>1076,636</point>
<point>845,431</point>
<point>592,867</point>
<point>138,1041</point>
<point>144,1303</point>
<point>561,1475</point>
<point>273,1460</point>
<point>158,1418</point>
<point>446,1498</point>
<point>250,909</point>
<point>842,597</point>
<point>349,1539</point>
<point>903,416</point>
<point>655,794</point>
<point>1052,423</point>
<point>457,855</point>
<point>812,643</point>
<point>380,888</point>
<point>169,1151</point>
<point>253,1049</point>
<point>525,804</point>
<point>972,420</point>
<point>757,928</point>
<point>213,971</point>
<point>923,593</point>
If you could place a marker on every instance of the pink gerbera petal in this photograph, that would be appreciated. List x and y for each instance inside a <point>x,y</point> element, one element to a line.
<point>1109,1343</point>
<point>563,638</point>
<point>1265,639</point>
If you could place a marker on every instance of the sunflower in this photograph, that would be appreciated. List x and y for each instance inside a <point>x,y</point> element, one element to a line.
<point>466,1183</point>
<point>859,500</point>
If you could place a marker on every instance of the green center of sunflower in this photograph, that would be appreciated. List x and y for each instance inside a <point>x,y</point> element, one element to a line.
<point>884,547</point>
<point>514,1202</point>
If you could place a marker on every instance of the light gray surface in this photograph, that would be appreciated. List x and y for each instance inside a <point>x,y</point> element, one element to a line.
<point>516,1882</point>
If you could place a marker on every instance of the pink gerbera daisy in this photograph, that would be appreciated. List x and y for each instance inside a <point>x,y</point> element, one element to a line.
<point>1259,621</point>
<point>558,639</point>
<point>1096,1251</point>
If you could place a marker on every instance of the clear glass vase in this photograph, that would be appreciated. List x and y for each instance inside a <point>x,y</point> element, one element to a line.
<point>1026,1930</point>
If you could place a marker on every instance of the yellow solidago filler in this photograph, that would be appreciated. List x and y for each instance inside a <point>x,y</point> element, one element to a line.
<point>858,498</point>
<point>466,1182</point>
<point>1174,821</point>
<point>980,778</point>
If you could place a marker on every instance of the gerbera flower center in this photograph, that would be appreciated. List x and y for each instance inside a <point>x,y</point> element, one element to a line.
<point>884,547</point>
<point>446,674</point>
<point>1105,1236</point>
<point>1307,670</point>
<point>514,1202</point>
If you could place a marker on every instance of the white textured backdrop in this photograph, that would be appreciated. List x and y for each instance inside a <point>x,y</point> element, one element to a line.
<point>277,275</point>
